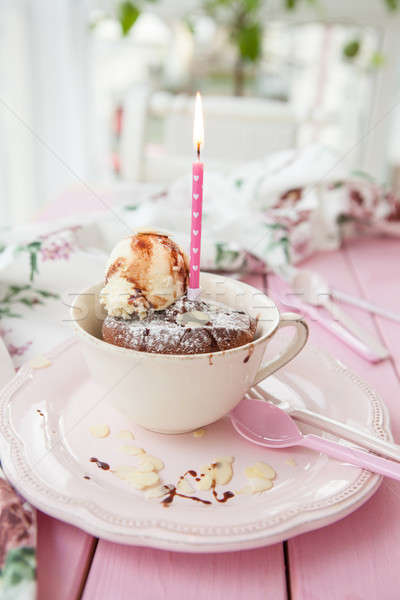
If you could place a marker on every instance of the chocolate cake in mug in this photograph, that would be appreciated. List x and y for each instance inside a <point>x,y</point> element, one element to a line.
<point>147,307</point>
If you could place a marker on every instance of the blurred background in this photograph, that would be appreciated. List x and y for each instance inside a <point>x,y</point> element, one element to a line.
<point>100,92</point>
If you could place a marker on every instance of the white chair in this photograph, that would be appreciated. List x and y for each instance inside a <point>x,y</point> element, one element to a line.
<point>236,130</point>
<point>376,130</point>
<point>246,128</point>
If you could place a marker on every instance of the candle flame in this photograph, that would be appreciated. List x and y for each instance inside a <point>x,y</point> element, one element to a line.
<point>198,126</point>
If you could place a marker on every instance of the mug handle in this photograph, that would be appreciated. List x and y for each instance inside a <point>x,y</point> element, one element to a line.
<point>297,344</point>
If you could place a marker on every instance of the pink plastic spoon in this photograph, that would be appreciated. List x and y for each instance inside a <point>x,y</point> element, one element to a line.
<point>267,425</point>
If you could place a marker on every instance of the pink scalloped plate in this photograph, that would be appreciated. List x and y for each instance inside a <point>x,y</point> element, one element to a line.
<point>46,446</point>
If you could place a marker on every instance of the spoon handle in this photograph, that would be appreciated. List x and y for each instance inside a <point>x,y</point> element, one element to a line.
<point>354,456</point>
<point>367,338</point>
<point>342,430</point>
<point>365,305</point>
<point>336,328</point>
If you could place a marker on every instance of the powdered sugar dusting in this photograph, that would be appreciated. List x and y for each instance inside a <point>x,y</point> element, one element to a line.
<point>162,331</point>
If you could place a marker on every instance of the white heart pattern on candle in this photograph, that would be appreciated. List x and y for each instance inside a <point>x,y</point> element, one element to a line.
<point>196,231</point>
<point>195,250</point>
<point>196,196</point>
<point>195,214</point>
<point>195,267</point>
<point>196,177</point>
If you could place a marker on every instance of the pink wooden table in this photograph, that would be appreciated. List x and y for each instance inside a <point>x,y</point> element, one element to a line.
<point>354,559</point>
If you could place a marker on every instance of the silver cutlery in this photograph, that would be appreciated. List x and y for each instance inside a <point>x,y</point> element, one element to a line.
<point>342,430</point>
<point>296,304</point>
<point>315,291</point>
<point>365,305</point>
<point>311,291</point>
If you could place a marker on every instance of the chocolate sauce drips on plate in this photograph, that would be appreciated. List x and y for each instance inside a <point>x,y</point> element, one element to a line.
<point>102,465</point>
<point>173,491</point>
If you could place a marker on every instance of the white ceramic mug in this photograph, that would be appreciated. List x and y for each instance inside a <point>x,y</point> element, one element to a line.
<point>177,393</point>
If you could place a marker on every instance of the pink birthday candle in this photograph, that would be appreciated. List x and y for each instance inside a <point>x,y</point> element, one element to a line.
<point>197,203</point>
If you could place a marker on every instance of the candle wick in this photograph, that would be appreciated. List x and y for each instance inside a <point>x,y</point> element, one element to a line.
<point>198,150</point>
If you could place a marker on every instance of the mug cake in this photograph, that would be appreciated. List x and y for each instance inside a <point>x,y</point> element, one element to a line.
<point>145,298</point>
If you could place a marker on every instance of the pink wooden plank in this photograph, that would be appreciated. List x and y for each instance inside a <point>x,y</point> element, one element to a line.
<point>357,557</point>
<point>119,571</point>
<point>377,266</point>
<point>257,281</point>
<point>64,554</point>
<point>125,573</point>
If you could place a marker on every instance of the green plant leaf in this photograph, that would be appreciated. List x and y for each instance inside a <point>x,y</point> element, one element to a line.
<point>34,246</point>
<point>249,40</point>
<point>33,265</point>
<point>392,4</point>
<point>343,219</point>
<point>362,174</point>
<point>285,244</point>
<point>127,16</point>
<point>30,301</point>
<point>5,311</point>
<point>224,255</point>
<point>16,289</point>
<point>292,4</point>
<point>377,60</point>
<point>20,565</point>
<point>12,292</point>
<point>251,5</point>
<point>351,49</point>
<point>275,227</point>
<point>189,24</point>
<point>47,294</point>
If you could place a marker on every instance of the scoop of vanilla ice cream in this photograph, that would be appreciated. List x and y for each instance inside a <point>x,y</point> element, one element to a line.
<point>147,270</point>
